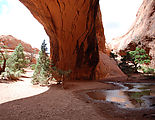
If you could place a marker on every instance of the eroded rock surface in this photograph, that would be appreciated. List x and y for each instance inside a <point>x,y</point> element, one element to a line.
<point>142,32</point>
<point>75,31</point>
<point>12,42</point>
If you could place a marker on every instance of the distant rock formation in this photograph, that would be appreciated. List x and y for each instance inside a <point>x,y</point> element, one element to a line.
<point>141,34</point>
<point>12,42</point>
<point>76,35</point>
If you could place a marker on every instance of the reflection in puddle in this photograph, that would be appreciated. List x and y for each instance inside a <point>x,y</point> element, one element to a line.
<point>119,97</point>
<point>132,95</point>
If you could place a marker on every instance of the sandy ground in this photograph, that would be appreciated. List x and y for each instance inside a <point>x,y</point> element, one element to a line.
<point>20,89</point>
<point>23,101</point>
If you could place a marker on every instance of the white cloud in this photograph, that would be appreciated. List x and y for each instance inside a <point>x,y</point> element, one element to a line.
<point>120,12</point>
<point>21,24</point>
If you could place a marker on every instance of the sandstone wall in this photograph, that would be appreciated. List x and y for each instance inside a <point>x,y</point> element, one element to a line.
<point>142,32</point>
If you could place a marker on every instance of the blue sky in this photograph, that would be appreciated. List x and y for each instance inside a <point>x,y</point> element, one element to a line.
<point>16,20</point>
<point>3,4</point>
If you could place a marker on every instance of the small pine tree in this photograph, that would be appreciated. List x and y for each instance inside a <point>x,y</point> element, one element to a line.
<point>44,47</point>
<point>17,61</point>
<point>45,70</point>
<point>42,72</point>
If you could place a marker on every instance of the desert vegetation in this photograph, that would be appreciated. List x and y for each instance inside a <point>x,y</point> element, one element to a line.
<point>133,61</point>
<point>14,64</point>
<point>45,71</point>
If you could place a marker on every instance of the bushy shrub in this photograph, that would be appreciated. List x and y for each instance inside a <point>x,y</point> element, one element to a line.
<point>139,56</point>
<point>148,70</point>
<point>11,75</point>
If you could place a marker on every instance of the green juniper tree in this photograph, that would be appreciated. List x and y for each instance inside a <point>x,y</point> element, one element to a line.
<point>15,64</point>
<point>133,59</point>
<point>45,70</point>
<point>42,73</point>
<point>139,56</point>
<point>17,60</point>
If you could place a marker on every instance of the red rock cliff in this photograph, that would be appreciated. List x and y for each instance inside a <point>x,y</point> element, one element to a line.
<point>12,42</point>
<point>76,34</point>
<point>142,33</point>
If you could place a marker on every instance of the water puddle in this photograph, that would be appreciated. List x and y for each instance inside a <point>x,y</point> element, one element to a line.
<point>131,95</point>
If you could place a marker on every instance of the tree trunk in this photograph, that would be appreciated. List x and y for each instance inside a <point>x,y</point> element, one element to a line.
<point>136,67</point>
<point>2,69</point>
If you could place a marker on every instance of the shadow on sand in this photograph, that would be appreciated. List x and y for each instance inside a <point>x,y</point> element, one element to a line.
<point>9,81</point>
<point>58,104</point>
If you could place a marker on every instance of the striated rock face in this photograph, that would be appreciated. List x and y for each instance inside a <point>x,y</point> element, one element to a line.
<point>142,33</point>
<point>76,34</point>
<point>12,42</point>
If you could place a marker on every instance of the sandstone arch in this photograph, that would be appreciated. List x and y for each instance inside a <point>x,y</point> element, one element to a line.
<point>76,36</point>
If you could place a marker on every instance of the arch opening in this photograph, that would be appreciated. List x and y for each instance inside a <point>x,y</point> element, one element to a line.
<point>16,20</point>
